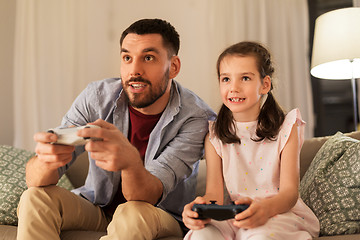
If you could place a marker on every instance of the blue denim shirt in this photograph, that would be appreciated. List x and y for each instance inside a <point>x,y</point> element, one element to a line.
<point>174,148</point>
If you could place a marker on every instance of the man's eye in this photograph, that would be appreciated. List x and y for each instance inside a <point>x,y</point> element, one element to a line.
<point>149,58</point>
<point>126,58</point>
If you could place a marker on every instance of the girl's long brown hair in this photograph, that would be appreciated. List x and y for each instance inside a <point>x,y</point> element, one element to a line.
<point>271,115</point>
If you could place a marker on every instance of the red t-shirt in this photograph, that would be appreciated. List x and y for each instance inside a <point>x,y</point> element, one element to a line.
<point>140,128</point>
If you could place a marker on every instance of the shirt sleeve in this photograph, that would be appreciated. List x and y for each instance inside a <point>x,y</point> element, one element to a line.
<point>293,117</point>
<point>177,160</point>
<point>215,141</point>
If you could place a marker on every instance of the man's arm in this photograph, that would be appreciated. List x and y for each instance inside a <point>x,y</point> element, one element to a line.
<point>139,184</point>
<point>41,170</point>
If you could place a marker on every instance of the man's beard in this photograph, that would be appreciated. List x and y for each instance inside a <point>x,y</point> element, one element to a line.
<point>142,100</point>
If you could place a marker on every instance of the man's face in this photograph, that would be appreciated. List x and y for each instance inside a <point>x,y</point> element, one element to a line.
<point>144,70</point>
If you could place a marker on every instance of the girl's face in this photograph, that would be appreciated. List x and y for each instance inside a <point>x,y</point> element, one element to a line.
<point>241,87</point>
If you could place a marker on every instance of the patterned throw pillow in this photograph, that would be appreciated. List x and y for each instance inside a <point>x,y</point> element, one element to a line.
<point>331,186</point>
<point>12,181</point>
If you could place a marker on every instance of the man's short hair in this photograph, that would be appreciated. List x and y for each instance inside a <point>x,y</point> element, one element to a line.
<point>169,35</point>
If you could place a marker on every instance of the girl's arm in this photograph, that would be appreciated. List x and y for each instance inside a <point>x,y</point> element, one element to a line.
<point>214,174</point>
<point>261,210</point>
<point>214,187</point>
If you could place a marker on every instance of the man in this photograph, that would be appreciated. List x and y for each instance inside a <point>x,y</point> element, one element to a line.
<point>143,172</point>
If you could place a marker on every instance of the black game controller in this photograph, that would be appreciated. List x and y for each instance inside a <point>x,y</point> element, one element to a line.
<point>67,136</point>
<point>218,212</point>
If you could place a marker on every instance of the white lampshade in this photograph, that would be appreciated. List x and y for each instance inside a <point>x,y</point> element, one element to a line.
<point>336,49</point>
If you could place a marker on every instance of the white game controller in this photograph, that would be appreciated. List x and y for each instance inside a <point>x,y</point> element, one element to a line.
<point>67,136</point>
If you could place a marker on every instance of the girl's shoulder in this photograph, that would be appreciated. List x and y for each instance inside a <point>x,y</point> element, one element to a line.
<point>211,133</point>
<point>293,117</point>
<point>214,140</point>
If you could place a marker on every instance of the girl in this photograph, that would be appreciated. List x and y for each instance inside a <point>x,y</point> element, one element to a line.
<point>253,149</point>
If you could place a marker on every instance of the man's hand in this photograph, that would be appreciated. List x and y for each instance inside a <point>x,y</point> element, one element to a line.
<point>41,170</point>
<point>52,156</point>
<point>115,152</point>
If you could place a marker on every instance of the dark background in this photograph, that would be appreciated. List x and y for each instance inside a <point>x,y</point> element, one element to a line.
<point>333,103</point>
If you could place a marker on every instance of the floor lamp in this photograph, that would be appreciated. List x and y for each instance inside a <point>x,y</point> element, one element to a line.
<point>336,49</point>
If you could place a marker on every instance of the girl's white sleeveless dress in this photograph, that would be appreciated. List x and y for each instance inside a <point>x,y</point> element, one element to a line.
<point>252,169</point>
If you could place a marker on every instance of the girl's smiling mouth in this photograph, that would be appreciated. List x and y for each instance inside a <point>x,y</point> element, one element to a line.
<point>236,99</point>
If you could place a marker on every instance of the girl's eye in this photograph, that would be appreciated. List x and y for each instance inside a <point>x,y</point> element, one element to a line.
<point>149,58</point>
<point>225,79</point>
<point>245,78</point>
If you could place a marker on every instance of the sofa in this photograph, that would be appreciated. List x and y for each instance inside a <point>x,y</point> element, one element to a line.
<point>316,167</point>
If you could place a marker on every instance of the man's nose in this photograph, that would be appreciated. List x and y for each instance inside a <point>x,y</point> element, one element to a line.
<point>136,68</point>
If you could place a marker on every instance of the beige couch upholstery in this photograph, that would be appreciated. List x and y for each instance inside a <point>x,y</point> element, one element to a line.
<point>78,171</point>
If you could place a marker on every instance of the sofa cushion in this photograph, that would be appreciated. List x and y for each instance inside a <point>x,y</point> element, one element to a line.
<point>12,181</point>
<point>331,186</point>
<point>312,145</point>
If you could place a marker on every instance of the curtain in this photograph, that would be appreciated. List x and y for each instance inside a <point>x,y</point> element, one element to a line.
<point>61,46</point>
<point>47,69</point>
<point>53,44</point>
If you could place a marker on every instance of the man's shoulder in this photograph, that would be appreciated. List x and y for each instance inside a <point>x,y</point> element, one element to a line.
<point>108,83</point>
<point>106,88</point>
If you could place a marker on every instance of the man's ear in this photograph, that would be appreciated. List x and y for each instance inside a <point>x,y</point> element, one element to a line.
<point>266,85</point>
<point>174,67</point>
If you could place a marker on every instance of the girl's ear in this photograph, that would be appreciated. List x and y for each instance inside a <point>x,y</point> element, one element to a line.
<point>174,67</point>
<point>266,85</point>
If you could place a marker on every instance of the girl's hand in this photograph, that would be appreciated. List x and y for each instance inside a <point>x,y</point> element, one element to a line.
<point>257,214</point>
<point>189,216</point>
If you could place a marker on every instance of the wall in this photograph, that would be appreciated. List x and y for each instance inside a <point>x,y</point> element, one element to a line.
<point>7,26</point>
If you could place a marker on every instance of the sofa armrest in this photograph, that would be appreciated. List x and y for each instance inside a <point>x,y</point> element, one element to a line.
<point>78,171</point>
<point>308,151</point>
